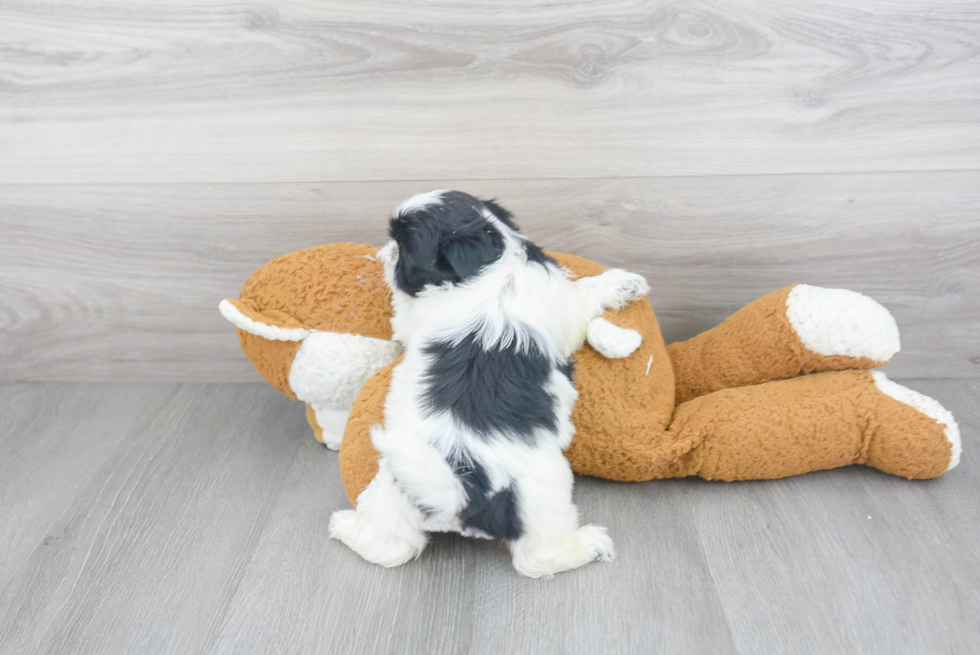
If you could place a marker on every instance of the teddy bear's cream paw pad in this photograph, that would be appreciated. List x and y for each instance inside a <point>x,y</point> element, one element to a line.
<point>589,543</point>
<point>928,406</point>
<point>612,341</point>
<point>841,322</point>
<point>376,546</point>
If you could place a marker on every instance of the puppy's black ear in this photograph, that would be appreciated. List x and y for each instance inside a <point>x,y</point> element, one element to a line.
<point>468,250</point>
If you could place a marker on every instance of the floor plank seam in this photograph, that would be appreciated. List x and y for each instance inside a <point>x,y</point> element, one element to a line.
<point>536,178</point>
<point>714,580</point>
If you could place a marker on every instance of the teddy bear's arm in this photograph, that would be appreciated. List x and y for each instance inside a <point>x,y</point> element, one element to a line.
<point>797,330</point>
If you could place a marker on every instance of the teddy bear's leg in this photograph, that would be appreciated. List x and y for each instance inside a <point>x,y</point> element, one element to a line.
<point>386,528</point>
<point>815,422</point>
<point>311,419</point>
<point>887,450</point>
<point>331,433</point>
<point>796,330</point>
<point>552,540</point>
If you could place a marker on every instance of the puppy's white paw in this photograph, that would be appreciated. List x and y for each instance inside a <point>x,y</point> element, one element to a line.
<point>633,286</point>
<point>622,287</point>
<point>595,540</point>
<point>611,340</point>
<point>372,543</point>
<point>589,543</point>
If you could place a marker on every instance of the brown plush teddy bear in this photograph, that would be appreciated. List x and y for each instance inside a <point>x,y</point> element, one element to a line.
<point>782,387</point>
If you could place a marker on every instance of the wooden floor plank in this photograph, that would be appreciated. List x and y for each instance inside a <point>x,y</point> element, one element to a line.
<point>206,532</point>
<point>463,595</point>
<point>122,282</point>
<point>852,559</point>
<point>148,554</point>
<point>121,91</point>
<point>54,438</point>
<point>305,593</point>
<point>953,507</point>
<point>658,595</point>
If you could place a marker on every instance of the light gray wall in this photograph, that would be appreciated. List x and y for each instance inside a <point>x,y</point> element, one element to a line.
<point>152,157</point>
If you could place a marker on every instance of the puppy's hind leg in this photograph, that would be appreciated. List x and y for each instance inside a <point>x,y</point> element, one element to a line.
<point>551,539</point>
<point>386,528</point>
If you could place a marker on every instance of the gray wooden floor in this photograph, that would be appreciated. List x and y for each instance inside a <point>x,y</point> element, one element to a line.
<point>186,518</point>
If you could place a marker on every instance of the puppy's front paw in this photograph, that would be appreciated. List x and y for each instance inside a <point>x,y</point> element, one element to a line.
<point>632,286</point>
<point>619,288</point>
<point>372,543</point>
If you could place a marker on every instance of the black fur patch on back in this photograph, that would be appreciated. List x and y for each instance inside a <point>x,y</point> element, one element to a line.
<point>497,390</point>
<point>494,514</point>
<point>448,241</point>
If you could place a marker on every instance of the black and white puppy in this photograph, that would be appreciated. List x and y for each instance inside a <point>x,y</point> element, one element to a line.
<point>479,411</point>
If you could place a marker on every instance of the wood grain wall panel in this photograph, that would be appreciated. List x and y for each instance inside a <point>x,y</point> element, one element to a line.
<point>122,281</point>
<point>291,90</point>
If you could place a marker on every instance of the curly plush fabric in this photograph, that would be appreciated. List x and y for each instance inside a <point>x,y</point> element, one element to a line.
<point>779,388</point>
<point>335,288</point>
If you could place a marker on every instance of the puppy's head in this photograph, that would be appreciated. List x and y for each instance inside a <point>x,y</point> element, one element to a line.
<point>443,237</point>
